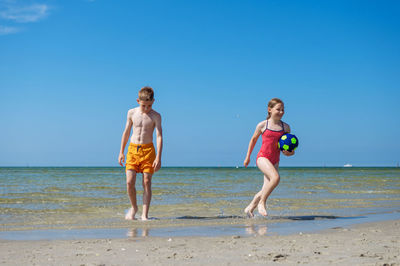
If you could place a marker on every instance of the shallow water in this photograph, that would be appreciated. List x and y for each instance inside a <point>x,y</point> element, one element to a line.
<point>75,198</point>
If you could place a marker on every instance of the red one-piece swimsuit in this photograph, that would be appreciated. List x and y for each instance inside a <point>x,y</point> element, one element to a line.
<point>269,147</point>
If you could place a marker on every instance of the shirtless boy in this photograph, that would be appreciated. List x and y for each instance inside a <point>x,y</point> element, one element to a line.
<point>141,156</point>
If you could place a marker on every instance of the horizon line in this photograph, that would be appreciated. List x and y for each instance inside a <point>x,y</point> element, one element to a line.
<point>215,166</point>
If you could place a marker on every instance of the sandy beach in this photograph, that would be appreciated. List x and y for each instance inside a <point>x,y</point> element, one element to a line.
<point>365,244</point>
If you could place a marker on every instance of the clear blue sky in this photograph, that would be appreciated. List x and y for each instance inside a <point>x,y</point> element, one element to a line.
<point>70,70</point>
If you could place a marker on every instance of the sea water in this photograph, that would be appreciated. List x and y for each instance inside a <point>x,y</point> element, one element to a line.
<point>205,200</point>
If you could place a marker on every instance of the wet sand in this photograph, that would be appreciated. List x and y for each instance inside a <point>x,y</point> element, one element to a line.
<point>365,244</point>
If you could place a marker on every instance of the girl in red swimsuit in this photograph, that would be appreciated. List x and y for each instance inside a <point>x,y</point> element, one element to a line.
<point>270,130</point>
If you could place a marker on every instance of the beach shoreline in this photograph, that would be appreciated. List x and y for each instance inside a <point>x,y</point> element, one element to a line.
<point>376,243</point>
<point>217,226</point>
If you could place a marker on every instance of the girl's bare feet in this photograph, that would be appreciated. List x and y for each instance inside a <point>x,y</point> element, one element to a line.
<point>249,212</point>
<point>261,209</point>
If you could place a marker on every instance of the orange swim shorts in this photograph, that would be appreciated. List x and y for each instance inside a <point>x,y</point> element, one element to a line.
<point>140,158</point>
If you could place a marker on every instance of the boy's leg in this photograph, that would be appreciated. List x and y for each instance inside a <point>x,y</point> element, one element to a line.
<point>131,189</point>
<point>146,195</point>
<point>271,180</point>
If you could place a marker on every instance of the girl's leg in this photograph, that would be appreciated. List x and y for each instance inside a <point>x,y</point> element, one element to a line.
<point>250,208</point>
<point>253,204</point>
<point>271,180</point>
<point>131,189</point>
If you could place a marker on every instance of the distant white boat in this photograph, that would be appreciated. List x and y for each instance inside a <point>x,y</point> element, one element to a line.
<point>347,165</point>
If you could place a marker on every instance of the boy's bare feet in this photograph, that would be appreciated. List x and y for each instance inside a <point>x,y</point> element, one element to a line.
<point>144,218</point>
<point>249,212</point>
<point>261,209</point>
<point>130,215</point>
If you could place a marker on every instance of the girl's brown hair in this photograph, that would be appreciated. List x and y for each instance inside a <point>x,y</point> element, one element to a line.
<point>272,103</point>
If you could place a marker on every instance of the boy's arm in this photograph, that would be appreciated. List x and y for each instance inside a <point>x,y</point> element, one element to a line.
<point>157,161</point>
<point>159,140</point>
<point>125,138</point>
<point>252,143</point>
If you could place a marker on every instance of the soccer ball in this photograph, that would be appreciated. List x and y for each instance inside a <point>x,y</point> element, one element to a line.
<point>288,142</point>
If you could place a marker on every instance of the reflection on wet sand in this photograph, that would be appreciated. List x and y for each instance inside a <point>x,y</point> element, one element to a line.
<point>260,230</point>
<point>138,232</point>
<point>257,226</point>
<point>249,229</point>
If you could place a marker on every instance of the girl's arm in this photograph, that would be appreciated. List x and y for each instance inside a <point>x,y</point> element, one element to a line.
<point>253,142</point>
<point>286,127</point>
<point>287,130</point>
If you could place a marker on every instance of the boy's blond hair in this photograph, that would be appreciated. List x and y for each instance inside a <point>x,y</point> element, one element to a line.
<point>146,94</point>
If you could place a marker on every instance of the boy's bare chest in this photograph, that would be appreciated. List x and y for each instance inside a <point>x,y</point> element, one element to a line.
<point>142,120</point>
